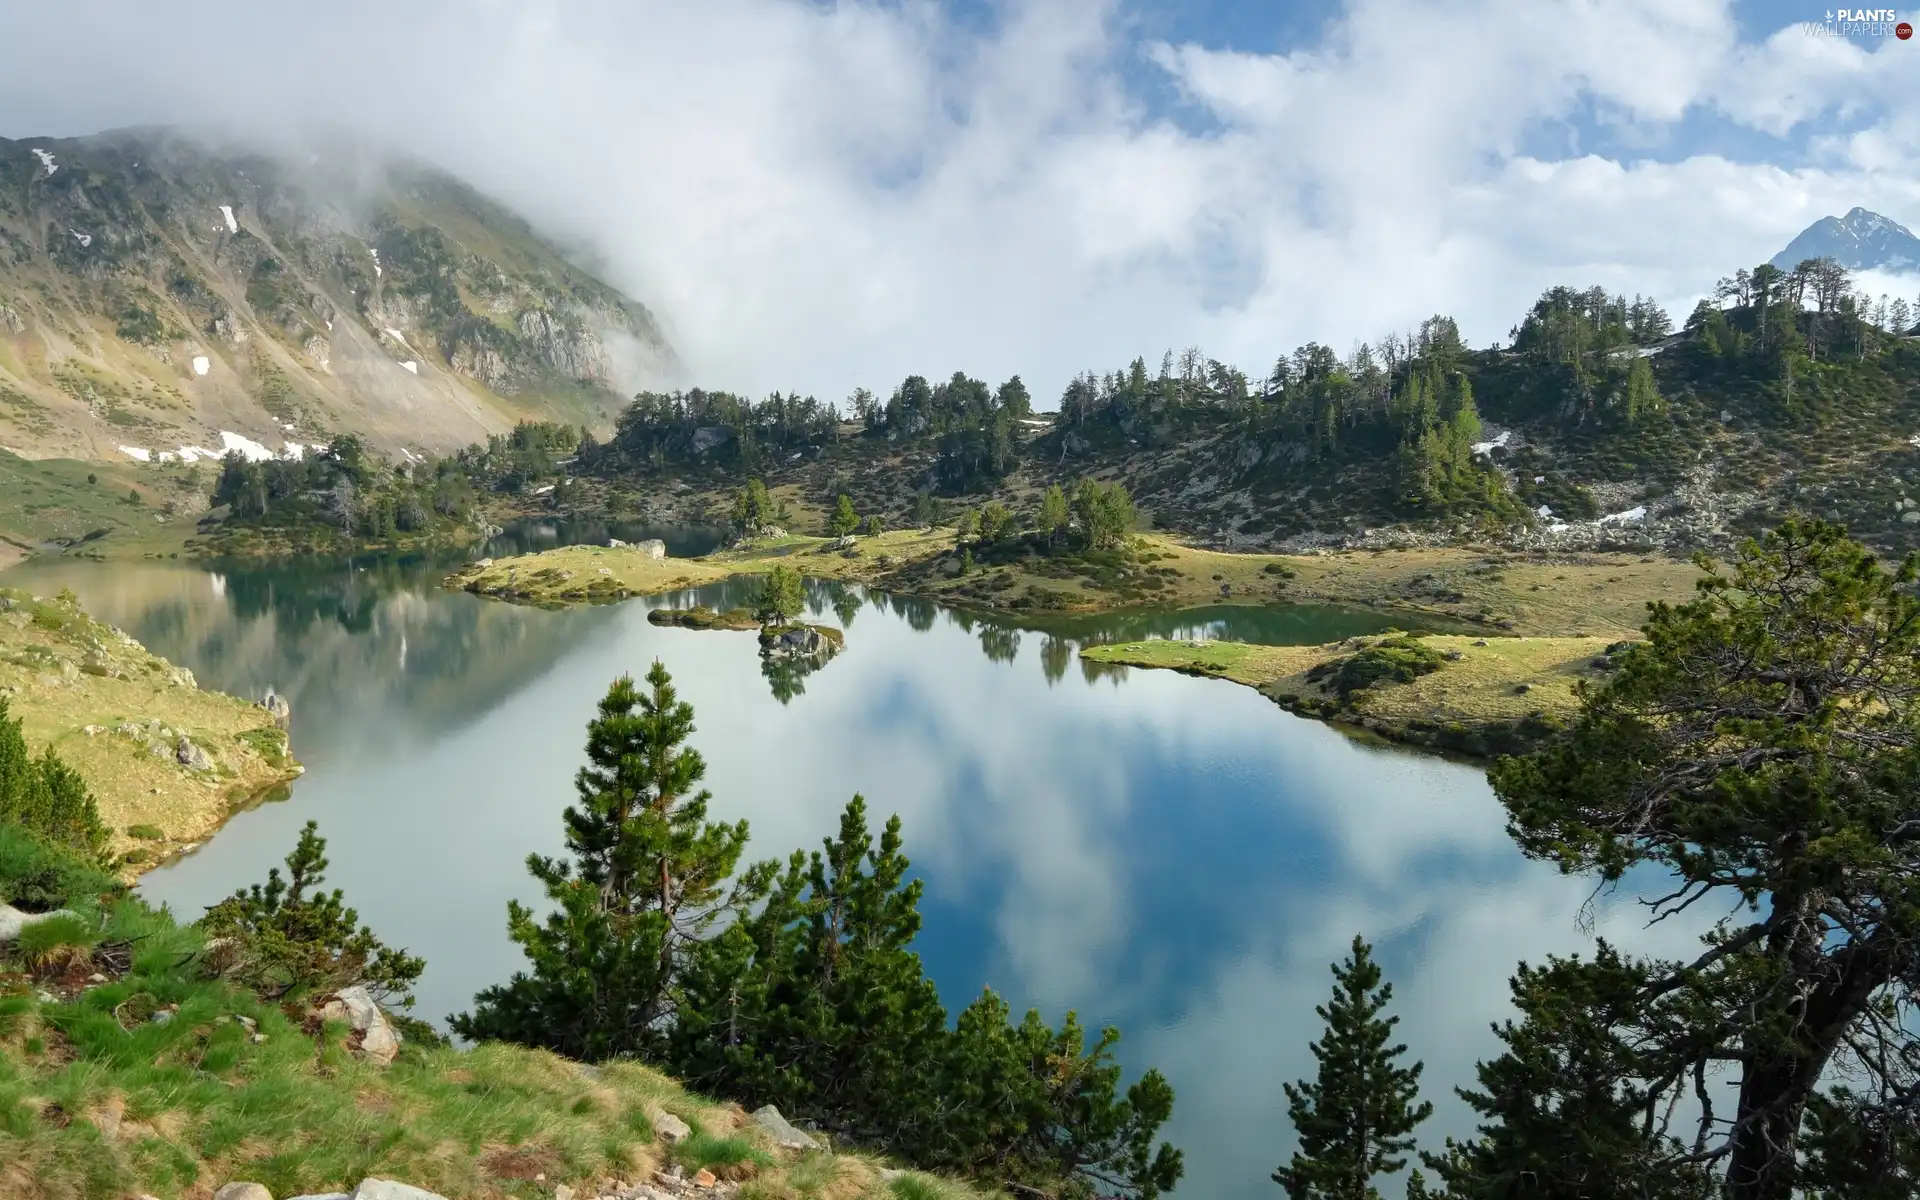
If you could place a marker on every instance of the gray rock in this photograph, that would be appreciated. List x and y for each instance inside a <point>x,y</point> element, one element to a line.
<point>322,1196</point>
<point>651,548</point>
<point>192,756</point>
<point>769,1119</point>
<point>277,706</point>
<point>379,1040</point>
<point>670,1129</point>
<point>243,1191</point>
<point>707,437</point>
<point>12,920</point>
<point>387,1189</point>
<point>1910,517</point>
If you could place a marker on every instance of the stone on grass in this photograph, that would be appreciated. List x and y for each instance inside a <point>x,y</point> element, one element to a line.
<point>387,1189</point>
<point>12,920</point>
<point>705,1178</point>
<point>243,1191</point>
<point>784,1135</point>
<point>379,1042</point>
<point>670,1128</point>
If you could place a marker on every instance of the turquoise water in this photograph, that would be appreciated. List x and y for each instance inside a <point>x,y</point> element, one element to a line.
<point>1173,855</point>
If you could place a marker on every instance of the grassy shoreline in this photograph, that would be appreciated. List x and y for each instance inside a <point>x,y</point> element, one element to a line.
<point>1490,696</point>
<point>121,716</point>
<point>1547,619</point>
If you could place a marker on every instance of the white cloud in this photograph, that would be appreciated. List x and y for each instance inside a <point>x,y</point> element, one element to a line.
<point>832,195</point>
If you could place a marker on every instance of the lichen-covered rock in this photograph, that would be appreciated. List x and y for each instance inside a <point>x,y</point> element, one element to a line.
<point>783,1133</point>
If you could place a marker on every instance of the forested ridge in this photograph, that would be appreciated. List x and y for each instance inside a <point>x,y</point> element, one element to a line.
<point>1787,390</point>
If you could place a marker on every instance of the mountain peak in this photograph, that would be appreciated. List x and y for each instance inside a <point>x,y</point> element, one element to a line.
<point>1862,240</point>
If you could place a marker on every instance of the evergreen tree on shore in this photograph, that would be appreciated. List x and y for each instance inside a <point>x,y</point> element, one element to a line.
<point>647,880</point>
<point>1355,1117</point>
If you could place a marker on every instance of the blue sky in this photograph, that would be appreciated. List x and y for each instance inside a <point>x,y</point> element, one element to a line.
<point>827,194</point>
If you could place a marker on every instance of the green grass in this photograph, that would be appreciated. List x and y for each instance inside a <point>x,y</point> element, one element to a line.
<point>49,501</point>
<point>97,1099</point>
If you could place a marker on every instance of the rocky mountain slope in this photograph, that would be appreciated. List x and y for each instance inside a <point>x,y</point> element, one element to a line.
<point>166,294</point>
<point>1859,241</point>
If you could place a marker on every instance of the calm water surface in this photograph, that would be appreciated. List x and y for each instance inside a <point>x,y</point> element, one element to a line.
<point>1176,856</point>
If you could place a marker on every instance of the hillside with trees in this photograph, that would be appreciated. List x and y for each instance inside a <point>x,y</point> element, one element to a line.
<point>1600,422</point>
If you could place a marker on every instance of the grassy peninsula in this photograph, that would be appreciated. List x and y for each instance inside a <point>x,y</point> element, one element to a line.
<point>1477,696</point>
<point>167,760</point>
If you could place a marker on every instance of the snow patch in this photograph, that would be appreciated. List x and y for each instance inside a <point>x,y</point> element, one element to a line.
<point>137,452</point>
<point>219,584</point>
<point>85,239</point>
<point>541,491</point>
<point>1539,478</point>
<point>395,334</point>
<point>1621,518</point>
<point>233,226</point>
<point>202,364</point>
<point>1914,440</point>
<point>376,260</point>
<point>46,159</point>
<point>251,450</point>
<point>1558,527</point>
<point>411,366</point>
<point>192,454</point>
<point>1544,511</point>
<point>293,452</point>
<point>1490,447</point>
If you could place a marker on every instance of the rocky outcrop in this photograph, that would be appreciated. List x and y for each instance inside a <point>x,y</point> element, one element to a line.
<point>277,706</point>
<point>814,643</point>
<point>191,755</point>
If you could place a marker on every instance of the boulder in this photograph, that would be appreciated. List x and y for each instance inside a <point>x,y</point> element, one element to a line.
<point>191,756</point>
<point>651,548</point>
<point>243,1191</point>
<point>378,1040</point>
<point>322,1196</point>
<point>387,1189</point>
<point>671,1129</point>
<point>783,1134</point>
<point>277,706</point>
<point>12,920</point>
<point>707,437</point>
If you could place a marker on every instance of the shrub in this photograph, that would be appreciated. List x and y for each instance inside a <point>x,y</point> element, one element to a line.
<point>287,940</point>
<point>146,833</point>
<point>36,875</point>
<point>1395,660</point>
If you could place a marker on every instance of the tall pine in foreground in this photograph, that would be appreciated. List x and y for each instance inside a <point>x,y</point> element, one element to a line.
<point>645,883</point>
<point>1355,1117</point>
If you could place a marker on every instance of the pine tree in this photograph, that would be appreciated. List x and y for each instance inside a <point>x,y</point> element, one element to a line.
<point>844,520</point>
<point>45,796</point>
<point>646,883</point>
<point>781,597</point>
<point>1355,1118</point>
<point>295,938</point>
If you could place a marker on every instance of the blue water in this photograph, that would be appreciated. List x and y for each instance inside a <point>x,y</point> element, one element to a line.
<point>1174,855</point>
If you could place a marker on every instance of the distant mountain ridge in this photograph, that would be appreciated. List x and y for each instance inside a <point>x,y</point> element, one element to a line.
<point>1860,241</point>
<point>161,290</point>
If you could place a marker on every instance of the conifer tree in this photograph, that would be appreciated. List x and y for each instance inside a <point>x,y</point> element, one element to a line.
<point>647,880</point>
<point>45,796</point>
<point>1355,1117</point>
<point>781,597</point>
<point>844,520</point>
